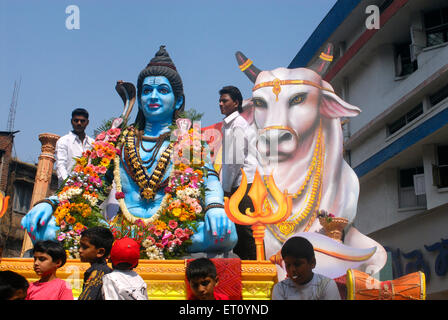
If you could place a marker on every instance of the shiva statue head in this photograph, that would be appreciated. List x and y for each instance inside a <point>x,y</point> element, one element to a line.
<point>160,91</point>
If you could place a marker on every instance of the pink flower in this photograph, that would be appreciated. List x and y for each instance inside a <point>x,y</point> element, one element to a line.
<point>61,237</point>
<point>101,170</point>
<point>100,153</point>
<point>179,233</point>
<point>114,132</point>
<point>172,224</point>
<point>167,236</point>
<point>117,121</point>
<point>101,136</point>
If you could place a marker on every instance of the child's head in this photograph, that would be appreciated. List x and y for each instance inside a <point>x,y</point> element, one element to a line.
<point>298,255</point>
<point>48,256</point>
<point>125,254</point>
<point>13,286</point>
<point>202,277</point>
<point>95,244</point>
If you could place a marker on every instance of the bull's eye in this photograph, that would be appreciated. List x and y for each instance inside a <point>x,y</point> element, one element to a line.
<point>298,98</point>
<point>259,103</point>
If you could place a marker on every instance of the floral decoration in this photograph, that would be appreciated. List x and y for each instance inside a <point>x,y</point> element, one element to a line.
<point>167,234</point>
<point>326,215</point>
<point>86,188</point>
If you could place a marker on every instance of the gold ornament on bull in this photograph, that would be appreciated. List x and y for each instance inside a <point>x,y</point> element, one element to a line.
<point>319,66</point>
<point>261,216</point>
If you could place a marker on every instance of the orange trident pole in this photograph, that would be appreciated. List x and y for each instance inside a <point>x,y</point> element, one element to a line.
<point>258,218</point>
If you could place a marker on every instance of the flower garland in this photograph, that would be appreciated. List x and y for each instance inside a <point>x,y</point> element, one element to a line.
<point>85,189</point>
<point>119,196</point>
<point>167,234</point>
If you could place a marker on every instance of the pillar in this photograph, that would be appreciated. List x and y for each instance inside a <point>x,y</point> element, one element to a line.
<point>42,180</point>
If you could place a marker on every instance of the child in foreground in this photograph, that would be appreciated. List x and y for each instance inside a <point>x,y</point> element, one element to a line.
<point>49,256</point>
<point>94,248</point>
<point>123,283</point>
<point>302,283</point>
<point>202,277</point>
<point>13,286</point>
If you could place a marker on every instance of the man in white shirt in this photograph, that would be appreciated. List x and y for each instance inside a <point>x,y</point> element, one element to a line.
<point>73,144</point>
<point>239,152</point>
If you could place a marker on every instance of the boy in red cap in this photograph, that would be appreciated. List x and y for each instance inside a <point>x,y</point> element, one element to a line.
<point>123,283</point>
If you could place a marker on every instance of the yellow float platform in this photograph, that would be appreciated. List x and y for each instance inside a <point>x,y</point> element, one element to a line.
<point>165,278</point>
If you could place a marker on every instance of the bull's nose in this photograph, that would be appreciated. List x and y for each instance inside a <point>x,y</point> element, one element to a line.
<point>277,143</point>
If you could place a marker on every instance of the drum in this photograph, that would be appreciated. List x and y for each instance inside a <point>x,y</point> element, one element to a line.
<point>361,286</point>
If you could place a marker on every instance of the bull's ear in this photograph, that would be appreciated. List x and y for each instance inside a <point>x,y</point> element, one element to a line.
<point>248,111</point>
<point>332,106</point>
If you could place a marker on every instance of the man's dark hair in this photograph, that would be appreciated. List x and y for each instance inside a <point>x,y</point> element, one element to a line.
<point>100,237</point>
<point>80,112</point>
<point>10,282</point>
<point>53,248</point>
<point>298,247</point>
<point>200,268</point>
<point>235,94</point>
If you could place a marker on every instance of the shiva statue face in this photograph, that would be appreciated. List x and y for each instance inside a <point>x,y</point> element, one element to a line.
<point>157,100</point>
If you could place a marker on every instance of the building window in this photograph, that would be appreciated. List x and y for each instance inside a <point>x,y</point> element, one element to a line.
<point>408,197</point>
<point>404,120</point>
<point>438,96</point>
<point>22,197</point>
<point>436,25</point>
<point>403,63</point>
<point>440,170</point>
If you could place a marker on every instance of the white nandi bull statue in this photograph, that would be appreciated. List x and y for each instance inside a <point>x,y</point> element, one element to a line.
<point>297,115</point>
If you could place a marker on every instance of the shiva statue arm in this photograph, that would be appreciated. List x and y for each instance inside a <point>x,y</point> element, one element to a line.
<point>40,222</point>
<point>217,233</point>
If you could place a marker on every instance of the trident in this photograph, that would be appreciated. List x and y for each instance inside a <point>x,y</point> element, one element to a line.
<point>259,218</point>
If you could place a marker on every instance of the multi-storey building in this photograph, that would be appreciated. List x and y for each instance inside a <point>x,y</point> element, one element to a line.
<point>391,60</point>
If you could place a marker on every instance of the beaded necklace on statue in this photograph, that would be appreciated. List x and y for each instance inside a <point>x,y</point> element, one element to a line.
<point>284,229</point>
<point>148,183</point>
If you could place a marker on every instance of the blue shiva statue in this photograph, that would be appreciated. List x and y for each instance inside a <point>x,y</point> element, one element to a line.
<point>160,100</point>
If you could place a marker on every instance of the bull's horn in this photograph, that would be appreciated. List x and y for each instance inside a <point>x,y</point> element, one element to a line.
<point>323,61</point>
<point>246,65</point>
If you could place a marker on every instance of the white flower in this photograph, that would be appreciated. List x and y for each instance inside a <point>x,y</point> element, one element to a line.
<point>147,243</point>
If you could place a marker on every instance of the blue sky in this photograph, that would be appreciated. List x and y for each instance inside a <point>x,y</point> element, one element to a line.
<point>63,69</point>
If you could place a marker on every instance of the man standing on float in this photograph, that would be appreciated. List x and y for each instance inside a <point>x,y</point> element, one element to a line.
<point>239,141</point>
<point>73,144</point>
